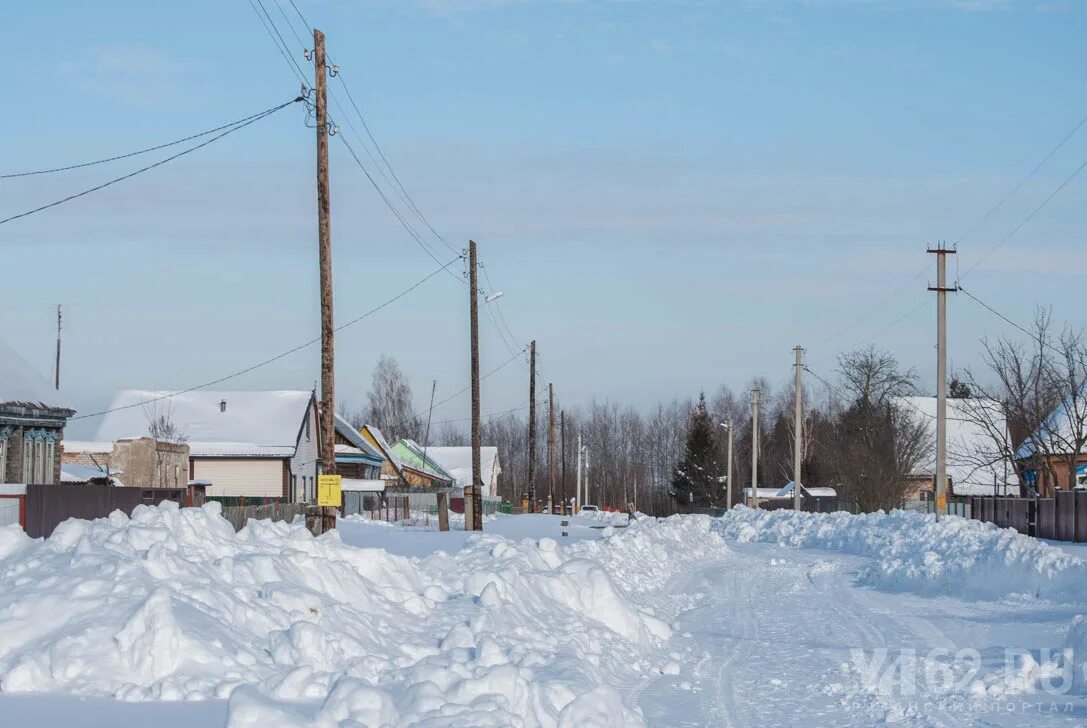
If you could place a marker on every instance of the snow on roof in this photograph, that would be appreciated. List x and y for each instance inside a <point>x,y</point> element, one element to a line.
<point>352,485</point>
<point>355,438</point>
<point>414,455</point>
<point>20,383</point>
<point>1056,430</point>
<point>973,456</point>
<point>251,424</point>
<point>815,492</point>
<point>457,461</point>
<point>86,446</point>
<point>70,473</point>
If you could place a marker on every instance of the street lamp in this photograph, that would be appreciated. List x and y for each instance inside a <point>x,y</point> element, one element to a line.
<point>728,472</point>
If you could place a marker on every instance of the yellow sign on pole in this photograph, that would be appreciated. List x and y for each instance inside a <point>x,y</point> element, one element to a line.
<point>328,490</point>
<point>941,503</point>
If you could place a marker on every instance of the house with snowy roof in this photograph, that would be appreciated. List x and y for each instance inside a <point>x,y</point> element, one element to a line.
<point>356,457</point>
<point>978,448</point>
<point>32,421</point>
<point>420,467</point>
<point>402,469</point>
<point>457,461</point>
<point>1049,453</point>
<point>244,443</point>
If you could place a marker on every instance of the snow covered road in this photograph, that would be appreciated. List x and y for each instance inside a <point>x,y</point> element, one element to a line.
<point>755,619</point>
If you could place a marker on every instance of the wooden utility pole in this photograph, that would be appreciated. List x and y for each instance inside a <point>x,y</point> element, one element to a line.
<point>530,499</point>
<point>474,500</point>
<point>798,427</point>
<point>324,253</point>
<point>59,319</point>
<point>551,447</point>
<point>756,393</point>
<point>942,290</point>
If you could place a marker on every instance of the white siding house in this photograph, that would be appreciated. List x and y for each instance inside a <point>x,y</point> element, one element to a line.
<point>254,444</point>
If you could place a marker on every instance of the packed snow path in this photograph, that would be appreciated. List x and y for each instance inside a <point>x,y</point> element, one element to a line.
<point>754,619</point>
<point>771,643</point>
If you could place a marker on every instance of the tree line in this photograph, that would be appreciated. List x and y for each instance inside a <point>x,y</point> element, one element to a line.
<point>858,436</point>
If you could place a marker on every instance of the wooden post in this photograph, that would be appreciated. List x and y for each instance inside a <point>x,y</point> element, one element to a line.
<point>443,512</point>
<point>324,251</point>
<point>476,502</point>
<point>530,499</point>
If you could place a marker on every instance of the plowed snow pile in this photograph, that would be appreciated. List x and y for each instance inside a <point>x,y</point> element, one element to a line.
<point>914,552</point>
<point>173,604</point>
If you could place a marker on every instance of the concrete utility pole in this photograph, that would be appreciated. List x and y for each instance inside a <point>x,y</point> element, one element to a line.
<point>59,319</point>
<point>728,494</point>
<point>798,427</point>
<point>728,466</point>
<point>530,500</point>
<point>577,493</point>
<point>474,500</point>
<point>324,252</point>
<point>562,439</point>
<point>587,479</point>
<point>551,447</point>
<point>755,394</point>
<point>942,290</point>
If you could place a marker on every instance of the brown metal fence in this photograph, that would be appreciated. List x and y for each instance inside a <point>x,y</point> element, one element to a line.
<point>47,506</point>
<point>1061,518</point>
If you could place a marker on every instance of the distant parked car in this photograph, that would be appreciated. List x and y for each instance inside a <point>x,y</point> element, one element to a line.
<point>589,508</point>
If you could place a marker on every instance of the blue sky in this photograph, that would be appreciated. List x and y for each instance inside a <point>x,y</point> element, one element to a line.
<point>671,194</point>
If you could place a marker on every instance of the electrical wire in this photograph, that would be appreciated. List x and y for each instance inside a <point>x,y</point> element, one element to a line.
<point>1027,219</point>
<point>1024,181</point>
<point>284,52</point>
<point>277,357</point>
<point>118,157</point>
<point>231,130</point>
<point>461,391</point>
<point>411,231</point>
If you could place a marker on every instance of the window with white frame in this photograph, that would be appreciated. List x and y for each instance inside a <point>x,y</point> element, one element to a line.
<point>39,456</point>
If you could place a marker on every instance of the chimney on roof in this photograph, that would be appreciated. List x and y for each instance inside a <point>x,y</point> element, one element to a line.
<point>222,405</point>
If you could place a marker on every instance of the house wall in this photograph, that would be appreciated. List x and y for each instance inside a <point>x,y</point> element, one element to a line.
<point>12,472</point>
<point>144,462</point>
<point>1059,469</point>
<point>388,471</point>
<point>303,466</point>
<point>257,477</point>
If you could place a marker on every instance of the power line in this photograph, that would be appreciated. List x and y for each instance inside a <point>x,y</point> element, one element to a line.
<point>231,130</point>
<point>391,177</point>
<point>459,392</point>
<point>155,148</point>
<point>1024,181</point>
<point>411,231</point>
<point>488,415</point>
<point>1027,219</point>
<point>279,356</point>
<point>277,39</point>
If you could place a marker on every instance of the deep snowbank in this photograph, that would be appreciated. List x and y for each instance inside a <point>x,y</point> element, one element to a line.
<point>914,552</point>
<point>173,604</point>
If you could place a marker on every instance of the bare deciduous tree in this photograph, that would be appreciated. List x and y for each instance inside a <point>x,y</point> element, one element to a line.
<point>390,403</point>
<point>878,444</point>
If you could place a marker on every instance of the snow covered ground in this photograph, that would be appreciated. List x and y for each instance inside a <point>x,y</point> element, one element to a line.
<point>771,618</point>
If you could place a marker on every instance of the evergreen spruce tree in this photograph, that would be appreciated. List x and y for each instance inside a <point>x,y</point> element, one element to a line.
<point>695,480</point>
